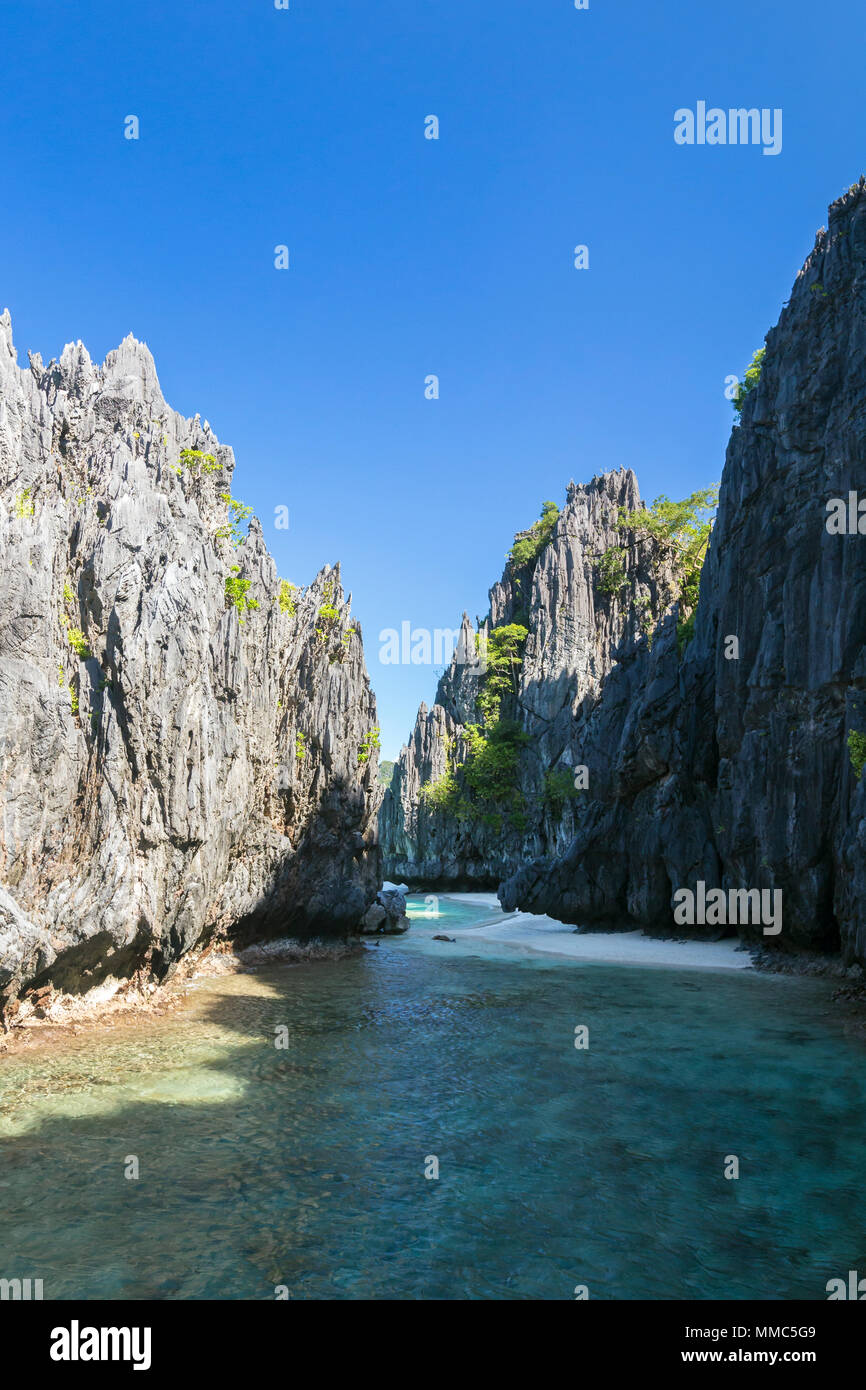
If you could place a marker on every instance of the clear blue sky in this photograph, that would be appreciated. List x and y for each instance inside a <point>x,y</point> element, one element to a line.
<point>408,256</point>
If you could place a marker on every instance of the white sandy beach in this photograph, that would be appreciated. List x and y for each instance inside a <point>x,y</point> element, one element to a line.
<point>543,935</point>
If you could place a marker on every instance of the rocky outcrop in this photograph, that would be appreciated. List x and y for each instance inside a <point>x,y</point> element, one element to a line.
<point>187,743</point>
<point>731,768</point>
<point>574,630</point>
<point>726,760</point>
<point>387,915</point>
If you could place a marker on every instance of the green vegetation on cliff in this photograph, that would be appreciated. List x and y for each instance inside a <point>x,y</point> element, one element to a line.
<point>679,533</point>
<point>611,570</point>
<point>752,377</point>
<point>285,597</point>
<point>484,786</point>
<point>502,649</point>
<point>369,743</point>
<point>559,788</point>
<point>857,752</point>
<point>236,593</point>
<point>238,514</point>
<point>527,548</point>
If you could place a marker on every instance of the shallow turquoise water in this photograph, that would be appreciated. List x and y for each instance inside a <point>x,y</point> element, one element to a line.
<point>305,1166</point>
<point>434,910</point>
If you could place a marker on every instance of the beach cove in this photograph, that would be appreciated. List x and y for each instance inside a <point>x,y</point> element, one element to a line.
<point>302,1168</point>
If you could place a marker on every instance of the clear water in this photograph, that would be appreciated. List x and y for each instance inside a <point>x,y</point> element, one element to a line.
<point>305,1167</point>
<point>441,913</point>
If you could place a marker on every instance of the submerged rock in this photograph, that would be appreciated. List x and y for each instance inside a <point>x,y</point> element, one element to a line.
<point>184,737</point>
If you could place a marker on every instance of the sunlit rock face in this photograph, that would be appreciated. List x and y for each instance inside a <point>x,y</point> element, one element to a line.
<point>701,765</point>
<point>174,761</point>
<point>575,632</point>
<point>737,771</point>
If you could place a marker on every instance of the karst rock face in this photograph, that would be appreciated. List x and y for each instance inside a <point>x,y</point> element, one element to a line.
<point>574,629</point>
<point>705,765</point>
<point>173,764</point>
<point>735,769</point>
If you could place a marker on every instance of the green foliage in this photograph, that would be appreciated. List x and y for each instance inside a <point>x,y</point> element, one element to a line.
<point>236,593</point>
<point>24,504</point>
<point>490,770</point>
<point>73,700</point>
<point>484,788</point>
<point>857,751</point>
<point>78,643</point>
<point>644,611</point>
<point>300,747</point>
<point>753,376</point>
<point>285,599</point>
<point>503,656</point>
<point>68,595</point>
<point>685,630</point>
<point>443,794</point>
<point>681,532</point>
<point>526,549</point>
<point>238,514</point>
<point>386,772</point>
<point>198,461</point>
<point>368,743</point>
<point>611,569</point>
<point>559,788</point>
<point>328,616</point>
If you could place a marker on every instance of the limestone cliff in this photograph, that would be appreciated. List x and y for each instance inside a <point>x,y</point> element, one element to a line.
<point>727,762</point>
<point>573,630</point>
<point>187,743</point>
<point>737,771</point>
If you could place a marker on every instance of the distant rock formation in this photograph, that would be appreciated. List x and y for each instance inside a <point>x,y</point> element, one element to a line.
<point>573,630</point>
<point>187,743</point>
<point>703,766</point>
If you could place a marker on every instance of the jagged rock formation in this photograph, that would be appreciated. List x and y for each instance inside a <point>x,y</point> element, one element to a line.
<point>737,771</point>
<point>574,630</point>
<point>174,762</point>
<point>703,766</point>
<point>387,915</point>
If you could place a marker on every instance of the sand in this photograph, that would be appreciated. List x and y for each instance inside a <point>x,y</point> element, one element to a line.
<point>525,931</point>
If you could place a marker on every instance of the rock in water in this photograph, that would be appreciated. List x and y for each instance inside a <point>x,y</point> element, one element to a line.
<point>185,739</point>
<point>387,914</point>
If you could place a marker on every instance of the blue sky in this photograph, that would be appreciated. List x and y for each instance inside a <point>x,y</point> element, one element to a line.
<point>409,256</point>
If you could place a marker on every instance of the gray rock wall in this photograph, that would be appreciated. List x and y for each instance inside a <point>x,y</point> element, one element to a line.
<point>152,790</point>
<point>574,629</point>
<point>738,771</point>
<point>731,771</point>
